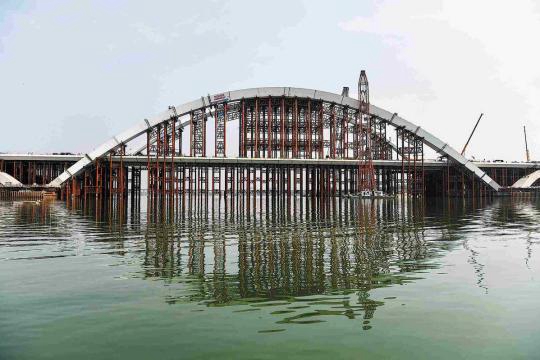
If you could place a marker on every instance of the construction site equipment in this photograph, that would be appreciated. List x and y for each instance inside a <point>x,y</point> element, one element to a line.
<point>472,133</point>
<point>527,155</point>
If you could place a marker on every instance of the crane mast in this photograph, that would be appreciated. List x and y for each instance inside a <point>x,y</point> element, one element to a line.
<point>472,133</point>
<point>366,171</point>
<point>527,155</point>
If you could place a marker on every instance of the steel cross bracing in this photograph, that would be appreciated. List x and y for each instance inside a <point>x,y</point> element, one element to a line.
<point>198,119</point>
<point>220,131</point>
<point>286,123</point>
<point>275,138</point>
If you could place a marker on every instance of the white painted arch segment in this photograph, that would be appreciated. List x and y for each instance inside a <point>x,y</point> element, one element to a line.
<point>8,180</point>
<point>527,181</point>
<point>204,102</point>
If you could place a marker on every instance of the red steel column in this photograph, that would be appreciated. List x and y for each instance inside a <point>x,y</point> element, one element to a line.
<point>321,132</point>
<point>270,126</point>
<point>309,134</point>
<point>282,128</point>
<point>257,119</point>
<point>225,110</point>
<point>295,130</point>
<point>191,135</point>
<point>333,136</point>
<point>242,151</point>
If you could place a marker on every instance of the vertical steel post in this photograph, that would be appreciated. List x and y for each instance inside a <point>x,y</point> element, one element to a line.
<point>270,127</point>
<point>282,128</point>
<point>257,120</point>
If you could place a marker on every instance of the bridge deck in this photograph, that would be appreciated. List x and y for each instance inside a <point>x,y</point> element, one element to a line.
<point>141,160</point>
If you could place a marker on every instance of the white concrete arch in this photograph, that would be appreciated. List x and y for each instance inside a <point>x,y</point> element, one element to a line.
<point>204,102</point>
<point>527,181</point>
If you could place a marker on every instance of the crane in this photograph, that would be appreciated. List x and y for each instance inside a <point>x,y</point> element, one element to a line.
<point>472,133</point>
<point>527,155</point>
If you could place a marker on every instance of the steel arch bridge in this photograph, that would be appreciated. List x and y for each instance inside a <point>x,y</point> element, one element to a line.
<point>281,123</point>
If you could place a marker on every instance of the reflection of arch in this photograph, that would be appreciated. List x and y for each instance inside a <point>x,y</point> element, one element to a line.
<point>528,180</point>
<point>275,92</point>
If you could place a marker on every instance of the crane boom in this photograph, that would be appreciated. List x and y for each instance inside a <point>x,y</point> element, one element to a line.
<point>527,155</point>
<point>472,133</point>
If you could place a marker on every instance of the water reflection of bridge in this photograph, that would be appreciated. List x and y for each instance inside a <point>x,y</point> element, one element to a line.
<point>290,257</point>
<point>289,254</point>
<point>295,257</point>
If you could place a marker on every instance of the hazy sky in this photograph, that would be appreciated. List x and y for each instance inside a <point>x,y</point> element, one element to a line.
<point>74,73</point>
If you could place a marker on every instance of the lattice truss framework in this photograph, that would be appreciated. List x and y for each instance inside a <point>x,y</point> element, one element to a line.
<point>282,127</point>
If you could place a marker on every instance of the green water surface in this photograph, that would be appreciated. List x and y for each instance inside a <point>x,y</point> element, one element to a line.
<point>346,280</point>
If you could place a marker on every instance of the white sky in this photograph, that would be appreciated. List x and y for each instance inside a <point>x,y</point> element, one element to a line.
<point>74,73</point>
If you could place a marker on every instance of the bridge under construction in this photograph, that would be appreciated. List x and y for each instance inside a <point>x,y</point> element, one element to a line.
<point>290,142</point>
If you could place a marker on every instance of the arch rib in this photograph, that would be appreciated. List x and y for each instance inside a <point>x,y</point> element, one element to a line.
<point>391,118</point>
<point>527,181</point>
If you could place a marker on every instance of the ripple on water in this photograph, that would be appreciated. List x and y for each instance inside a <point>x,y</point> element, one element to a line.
<point>260,272</point>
